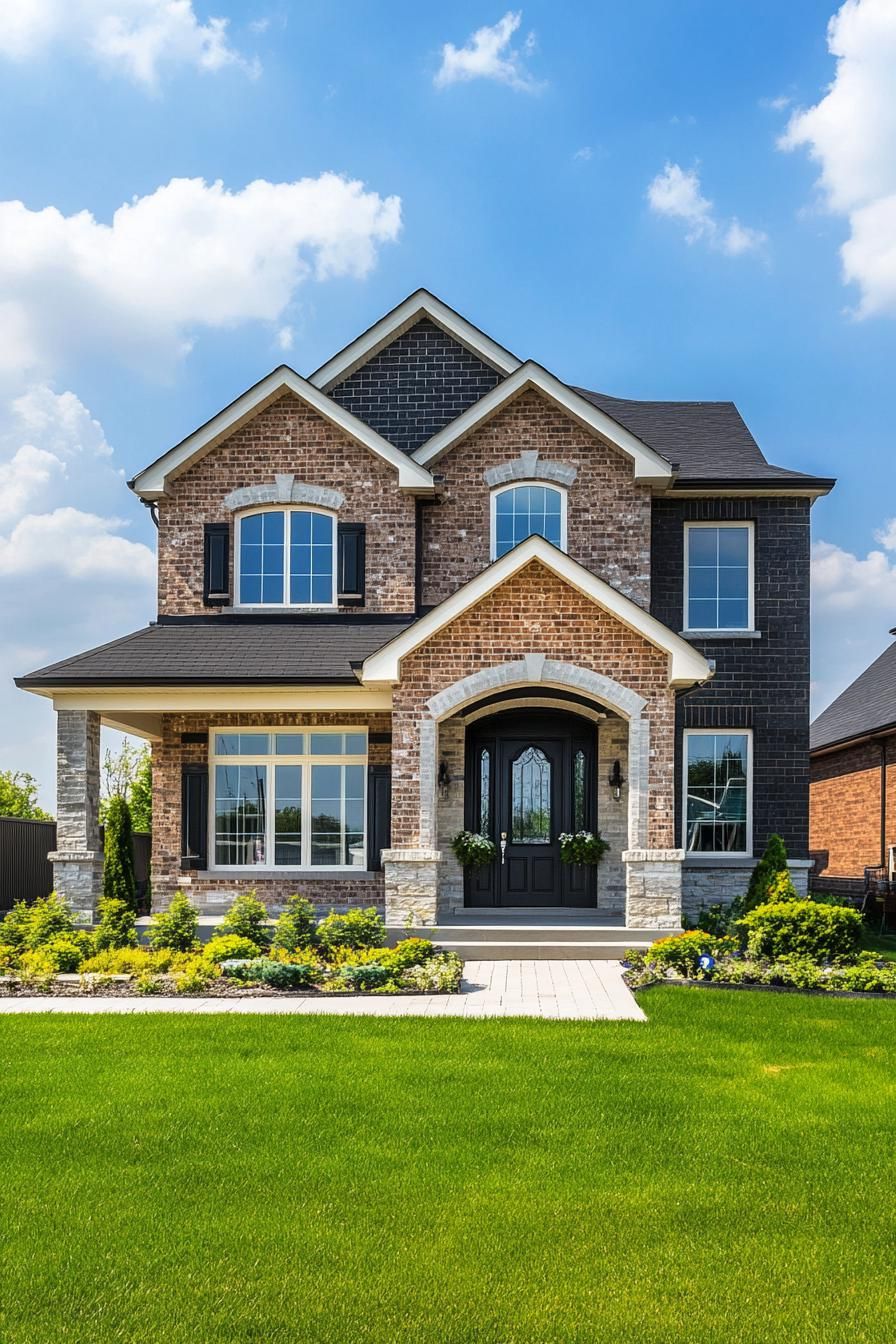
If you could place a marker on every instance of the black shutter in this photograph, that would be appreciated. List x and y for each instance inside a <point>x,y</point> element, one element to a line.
<point>379,814</point>
<point>351,564</point>
<point>194,817</point>
<point>217,564</point>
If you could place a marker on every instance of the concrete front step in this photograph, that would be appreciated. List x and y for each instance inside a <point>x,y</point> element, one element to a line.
<point>502,942</point>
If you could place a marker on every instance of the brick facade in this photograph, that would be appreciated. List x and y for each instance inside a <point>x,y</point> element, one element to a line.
<point>214,891</point>
<point>288,437</point>
<point>529,613</point>
<point>845,808</point>
<point>760,684</point>
<point>608,514</point>
<point>419,383</point>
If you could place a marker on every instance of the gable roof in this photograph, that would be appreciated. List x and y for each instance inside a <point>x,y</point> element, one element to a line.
<point>419,304</point>
<point>151,483</point>
<point>707,440</point>
<point>649,465</point>
<point>866,707</point>
<point>686,664</point>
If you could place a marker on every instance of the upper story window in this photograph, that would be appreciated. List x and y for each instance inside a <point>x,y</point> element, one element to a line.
<point>718,583</point>
<point>521,511</point>
<point>286,558</point>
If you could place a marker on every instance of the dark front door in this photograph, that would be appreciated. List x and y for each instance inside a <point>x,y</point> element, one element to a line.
<point>529,779</point>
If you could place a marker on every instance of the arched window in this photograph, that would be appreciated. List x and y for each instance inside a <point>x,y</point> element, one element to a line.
<point>521,511</point>
<point>286,558</point>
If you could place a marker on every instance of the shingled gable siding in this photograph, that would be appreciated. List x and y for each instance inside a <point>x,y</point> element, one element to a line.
<point>534,612</point>
<point>288,437</point>
<point>760,684</point>
<point>844,815</point>
<point>416,385</point>
<point>169,755</point>
<point>608,518</point>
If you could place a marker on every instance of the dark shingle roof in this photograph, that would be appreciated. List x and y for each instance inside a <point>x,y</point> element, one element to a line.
<point>221,652</point>
<point>867,706</point>
<point>707,440</point>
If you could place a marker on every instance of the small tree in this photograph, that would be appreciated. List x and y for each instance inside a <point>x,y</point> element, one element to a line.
<point>18,796</point>
<point>117,927</point>
<point>772,863</point>
<point>141,792</point>
<point>127,774</point>
<point>119,883</point>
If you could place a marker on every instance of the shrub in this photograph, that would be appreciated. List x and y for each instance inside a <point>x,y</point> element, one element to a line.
<point>781,888</point>
<point>356,929</point>
<point>866,976</point>
<point>227,946</point>
<point>36,924</point>
<point>119,883</point>
<point>295,929</point>
<point>247,918</point>
<point>16,925</point>
<point>472,850</point>
<point>683,951</point>
<point>714,919</point>
<point>803,929</point>
<point>410,952</point>
<point>9,958</point>
<point>440,974</point>
<point>371,976</point>
<point>194,978</point>
<point>37,968</point>
<point>117,926</point>
<point>801,972</point>
<point>773,861</point>
<point>276,974</point>
<point>147,983</point>
<point>120,961</point>
<point>66,951</point>
<point>175,928</point>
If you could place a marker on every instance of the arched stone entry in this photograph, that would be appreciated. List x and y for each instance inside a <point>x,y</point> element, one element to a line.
<point>420,880</point>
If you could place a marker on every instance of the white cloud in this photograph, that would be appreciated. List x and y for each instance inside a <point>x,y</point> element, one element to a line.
<point>853,608</point>
<point>22,477</point>
<point>678,194</point>
<point>86,545</point>
<point>285,338</point>
<point>851,134</point>
<point>776,104</point>
<point>585,154</point>
<point>136,38</point>
<point>189,255</point>
<point>488,54</point>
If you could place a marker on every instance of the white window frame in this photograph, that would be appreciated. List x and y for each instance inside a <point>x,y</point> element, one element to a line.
<point>716,732</point>
<point>515,485</point>
<point>287,532</point>
<point>751,579</point>
<point>306,760</point>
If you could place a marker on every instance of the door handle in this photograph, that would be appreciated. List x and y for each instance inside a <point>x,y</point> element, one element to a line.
<point>503,846</point>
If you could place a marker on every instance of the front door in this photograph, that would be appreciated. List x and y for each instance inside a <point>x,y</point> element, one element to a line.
<point>529,779</point>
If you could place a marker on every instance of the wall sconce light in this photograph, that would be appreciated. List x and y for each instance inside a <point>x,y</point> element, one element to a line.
<point>616,781</point>
<point>444,779</point>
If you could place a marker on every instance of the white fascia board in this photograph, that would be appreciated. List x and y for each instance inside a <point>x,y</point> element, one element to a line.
<point>686,665</point>
<point>650,467</point>
<point>416,305</point>
<point>151,483</point>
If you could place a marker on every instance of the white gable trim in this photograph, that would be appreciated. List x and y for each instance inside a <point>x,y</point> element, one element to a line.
<point>686,665</point>
<point>416,305</point>
<point>650,467</point>
<point>152,482</point>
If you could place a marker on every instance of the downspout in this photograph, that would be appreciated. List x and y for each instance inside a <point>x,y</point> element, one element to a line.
<point>883,805</point>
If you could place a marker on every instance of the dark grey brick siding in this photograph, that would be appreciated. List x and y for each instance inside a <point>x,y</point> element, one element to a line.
<point>415,386</point>
<point>759,684</point>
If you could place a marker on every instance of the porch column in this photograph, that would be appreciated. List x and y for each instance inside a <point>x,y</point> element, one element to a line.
<point>78,859</point>
<point>653,888</point>
<point>412,885</point>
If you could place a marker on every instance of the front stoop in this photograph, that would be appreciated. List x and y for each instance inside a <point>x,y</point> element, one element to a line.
<point>499,939</point>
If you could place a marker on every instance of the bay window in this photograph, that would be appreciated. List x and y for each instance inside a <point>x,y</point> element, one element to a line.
<point>288,799</point>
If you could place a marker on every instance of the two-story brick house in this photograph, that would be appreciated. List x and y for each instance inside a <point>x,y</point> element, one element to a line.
<point>434,587</point>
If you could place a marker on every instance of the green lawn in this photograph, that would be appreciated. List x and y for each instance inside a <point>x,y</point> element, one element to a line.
<point>724,1173</point>
<point>884,944</point>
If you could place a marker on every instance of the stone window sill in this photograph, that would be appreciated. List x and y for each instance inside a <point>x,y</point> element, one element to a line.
<point>273,874</point>
<point>703,635</point>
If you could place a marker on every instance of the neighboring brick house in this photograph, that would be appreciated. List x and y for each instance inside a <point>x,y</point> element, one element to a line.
<point>432,587</point>
<point>852,815</point>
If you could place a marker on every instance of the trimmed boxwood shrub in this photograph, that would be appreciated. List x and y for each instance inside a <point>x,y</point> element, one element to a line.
<point>683,951</point>
<point>357,929</point>
<point>803,929</point>
<point>227,946</point>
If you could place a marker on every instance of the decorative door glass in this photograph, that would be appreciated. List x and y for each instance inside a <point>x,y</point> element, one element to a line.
<point>484,791</point>
<point>578,789</point>
<point>530,812</point>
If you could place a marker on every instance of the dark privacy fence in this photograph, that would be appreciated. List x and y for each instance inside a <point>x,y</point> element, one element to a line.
<point>25,873</point>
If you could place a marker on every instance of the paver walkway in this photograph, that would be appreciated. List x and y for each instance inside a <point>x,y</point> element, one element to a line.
<point>552,989</point>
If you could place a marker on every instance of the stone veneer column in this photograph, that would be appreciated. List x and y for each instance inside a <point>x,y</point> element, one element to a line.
<point>78,859</point>
<point>653,888</point>
<point>412,885</point>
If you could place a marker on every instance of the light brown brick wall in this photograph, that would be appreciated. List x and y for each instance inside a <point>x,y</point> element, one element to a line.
<point>288,437</point>
<point>167,758</point>
<point>534,612</point>
<point>608,523</point>
<point>844,808</point>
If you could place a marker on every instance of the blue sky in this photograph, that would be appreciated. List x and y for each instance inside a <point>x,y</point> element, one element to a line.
<point>603,188</point>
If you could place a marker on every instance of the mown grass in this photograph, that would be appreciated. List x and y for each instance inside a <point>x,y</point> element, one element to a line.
<point>723,1173</point>
<point>884,944</point>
